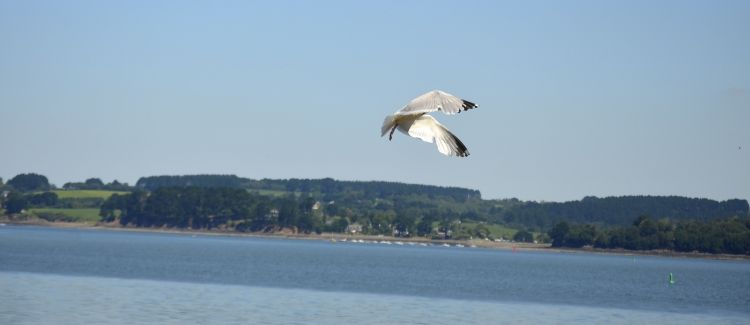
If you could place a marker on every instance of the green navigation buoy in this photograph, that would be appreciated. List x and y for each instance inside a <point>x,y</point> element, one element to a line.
<point>671,278</point>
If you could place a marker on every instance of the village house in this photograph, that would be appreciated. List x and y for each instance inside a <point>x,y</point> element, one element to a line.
<point>354,228</point>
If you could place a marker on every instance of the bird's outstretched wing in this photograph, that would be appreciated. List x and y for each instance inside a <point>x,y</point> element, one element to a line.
<point>437,100</point>
<point>428,129</point>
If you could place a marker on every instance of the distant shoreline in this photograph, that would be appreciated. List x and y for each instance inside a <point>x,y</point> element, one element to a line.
<point>519,246</point>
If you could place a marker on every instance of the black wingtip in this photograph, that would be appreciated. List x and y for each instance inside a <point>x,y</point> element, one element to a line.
<point>467,105</point>
<point>462,150</point>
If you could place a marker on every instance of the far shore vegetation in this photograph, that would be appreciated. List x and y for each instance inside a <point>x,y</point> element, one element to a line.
<point>80,194</point>
<point>304,206</point>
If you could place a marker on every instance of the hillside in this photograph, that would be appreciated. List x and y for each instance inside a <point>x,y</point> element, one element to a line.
<point>363,198</point>
<point>326,188</point>
<point>618,211</point>
<point>388,205</point>
<point>232,203</point>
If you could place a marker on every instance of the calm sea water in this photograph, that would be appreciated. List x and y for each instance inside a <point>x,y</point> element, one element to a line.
<point>70,276</point>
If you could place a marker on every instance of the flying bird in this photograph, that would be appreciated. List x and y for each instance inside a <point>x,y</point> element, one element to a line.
<point>413,120</point>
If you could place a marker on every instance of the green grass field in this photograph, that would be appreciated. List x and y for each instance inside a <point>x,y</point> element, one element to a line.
<point>89,215</point>
<point>496,231</point>
<point>80,194</point>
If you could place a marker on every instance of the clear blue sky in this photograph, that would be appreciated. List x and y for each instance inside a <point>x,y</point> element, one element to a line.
<point>577,97</point>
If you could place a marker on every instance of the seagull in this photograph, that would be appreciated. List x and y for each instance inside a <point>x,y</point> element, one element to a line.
<point>413,120</point>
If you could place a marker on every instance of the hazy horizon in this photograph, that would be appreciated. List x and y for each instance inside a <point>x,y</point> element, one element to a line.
<point>576,99</point>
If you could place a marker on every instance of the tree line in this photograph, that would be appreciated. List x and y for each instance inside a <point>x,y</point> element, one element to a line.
<point>32,182</point>
<point>243,210</point>
<point>30,190</point>
<point>355,198</point>
<point>615,210</point>
<point>28,182</point>
<point>321,205</point>
<point>16,202</point>
<point>327,188</point>
<point>97,184</point>
<point>723,236</point>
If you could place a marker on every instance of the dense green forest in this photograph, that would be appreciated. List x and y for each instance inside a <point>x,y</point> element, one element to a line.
<point>617,210</point>
<point>208,208</point>
<point>243,210</point>
<point>28,182</point>
<point>361,198</point>
<point>725,235</point>
<point>326,188</point>
<point>326,205</point>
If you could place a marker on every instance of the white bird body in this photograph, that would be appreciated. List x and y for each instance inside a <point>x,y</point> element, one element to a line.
<point>413,120</point>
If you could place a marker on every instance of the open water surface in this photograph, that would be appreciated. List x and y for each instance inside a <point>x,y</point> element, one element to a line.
<point>74,276</point>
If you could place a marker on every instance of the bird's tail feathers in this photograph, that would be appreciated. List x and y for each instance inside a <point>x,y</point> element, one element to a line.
<point>388,124</point>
